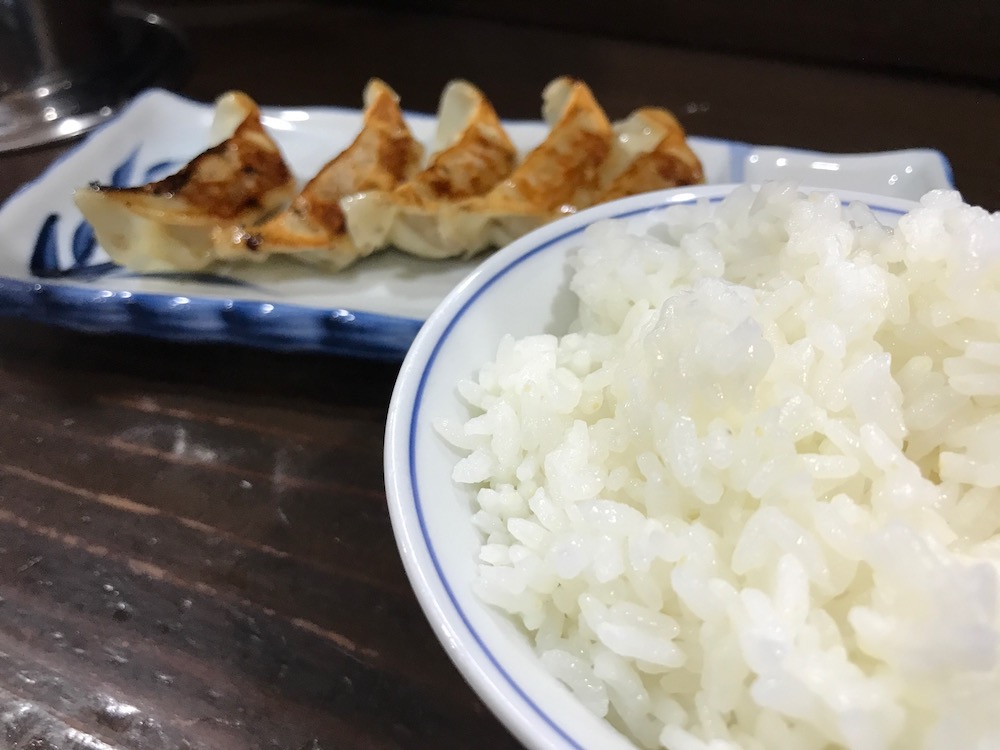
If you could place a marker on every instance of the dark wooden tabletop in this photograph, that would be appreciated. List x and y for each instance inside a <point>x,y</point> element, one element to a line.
<point>195,550</point>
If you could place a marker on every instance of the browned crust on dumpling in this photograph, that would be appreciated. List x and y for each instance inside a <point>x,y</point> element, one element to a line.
<point>247,157</point>
<point>472,195</point>
<point>479,156</point>
<point>474,154</point>
<point>671,163</point>
<point>567,162</point>
<point>224,182</point>
<point>382,155</point>
<point>169,224</point>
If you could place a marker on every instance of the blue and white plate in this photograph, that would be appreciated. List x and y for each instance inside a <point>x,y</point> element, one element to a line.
<point>52,270</point>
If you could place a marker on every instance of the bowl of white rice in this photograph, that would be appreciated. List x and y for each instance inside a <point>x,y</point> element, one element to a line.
<point>717,469</point>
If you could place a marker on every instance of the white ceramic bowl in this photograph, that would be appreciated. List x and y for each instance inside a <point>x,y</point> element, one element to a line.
<point>521,290</point>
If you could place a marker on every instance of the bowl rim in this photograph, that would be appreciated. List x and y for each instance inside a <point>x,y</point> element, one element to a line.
<point>464,646</point>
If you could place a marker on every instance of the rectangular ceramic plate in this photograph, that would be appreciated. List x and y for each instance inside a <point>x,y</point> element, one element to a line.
<point>51,269</point>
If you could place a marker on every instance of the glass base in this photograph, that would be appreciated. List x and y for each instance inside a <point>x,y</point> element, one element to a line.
<point>153,53</point>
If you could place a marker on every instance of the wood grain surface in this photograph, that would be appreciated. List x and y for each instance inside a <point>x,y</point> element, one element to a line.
<point>194,546</point>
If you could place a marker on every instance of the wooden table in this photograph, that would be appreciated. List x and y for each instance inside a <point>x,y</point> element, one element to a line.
<point>194,545</point>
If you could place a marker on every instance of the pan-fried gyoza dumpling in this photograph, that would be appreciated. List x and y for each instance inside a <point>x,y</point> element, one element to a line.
<point>650,152</point>
<point>313,228</point>
<point>472,153</point>
<point>169,224</point>
<point>541,187</point>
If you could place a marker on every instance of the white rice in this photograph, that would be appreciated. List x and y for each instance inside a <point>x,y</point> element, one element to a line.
<point>751,500</point>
